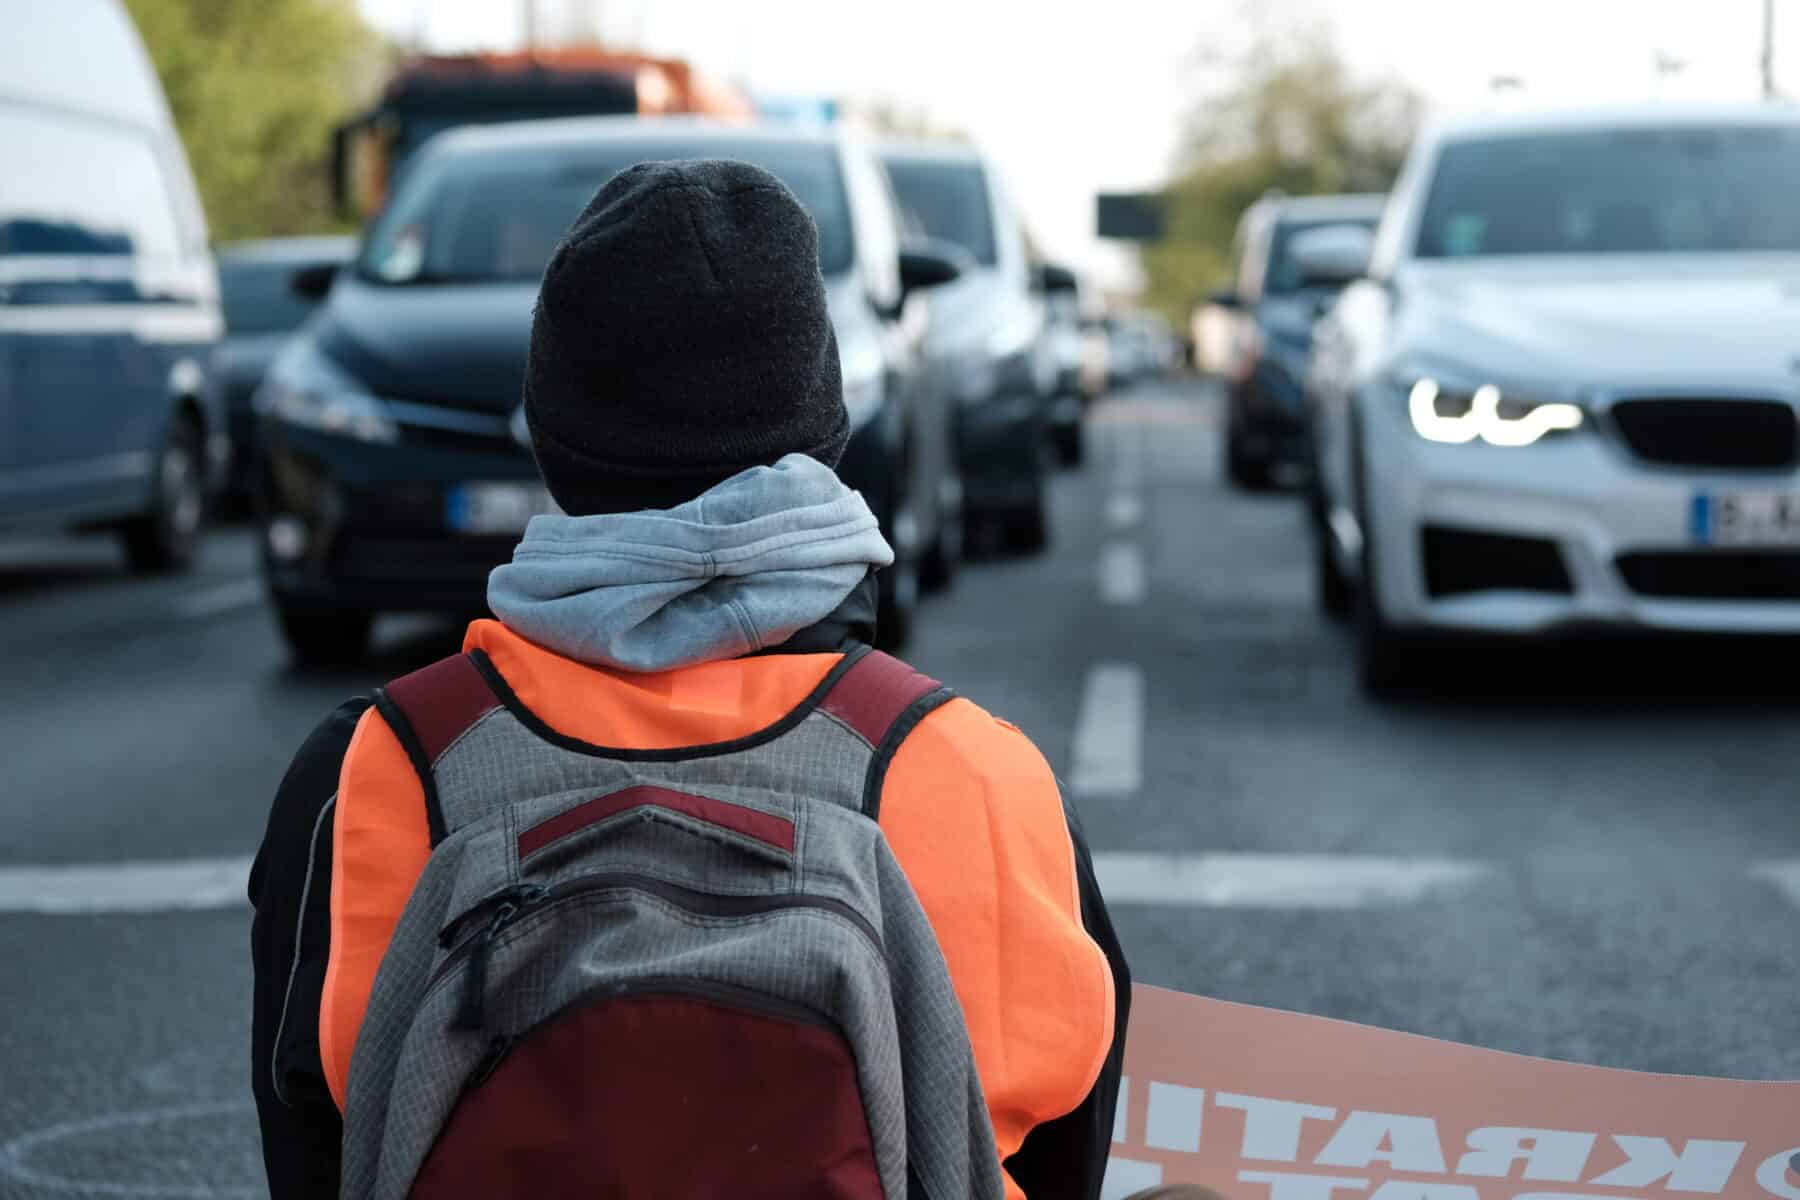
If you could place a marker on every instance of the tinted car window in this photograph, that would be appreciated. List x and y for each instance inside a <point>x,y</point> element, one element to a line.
<point>948,201</point>
<point>497,217</point>
<point>257,298</point>
<point>79,187</point>
<point>1283,274</point>
<point>1616,191</point>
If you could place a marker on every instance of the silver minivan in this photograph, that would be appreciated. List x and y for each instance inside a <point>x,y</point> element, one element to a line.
<point>109,302</point>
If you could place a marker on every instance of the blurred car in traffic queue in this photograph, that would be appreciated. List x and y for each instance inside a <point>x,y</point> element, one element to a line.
<point>1565,396</point>
<point>1070,335</point>
<point>1139,345</point>
<point>1273,305</point>
<point>108,297</point>
<point>396,474</point>
<point>262,308</point>
<point>988,336</point>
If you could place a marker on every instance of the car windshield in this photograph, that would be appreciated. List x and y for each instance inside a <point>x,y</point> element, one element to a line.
<point>1620,191</point>
<point>256,296</point>
<point>948,201</point>
<point>1284,275</point>
<point>492,218</point>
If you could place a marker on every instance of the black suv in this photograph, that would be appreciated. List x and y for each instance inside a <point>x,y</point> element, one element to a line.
<point>1274,306</point>
<point>395,473</point>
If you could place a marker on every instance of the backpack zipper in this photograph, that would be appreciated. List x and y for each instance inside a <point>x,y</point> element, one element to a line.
<point>510,904</point>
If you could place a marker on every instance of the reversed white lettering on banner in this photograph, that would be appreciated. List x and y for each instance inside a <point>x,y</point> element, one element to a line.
<point>1272,1127</point>
<point>1404,1143</point>
<point>1700,1166</point>
<point>1412,1189</point>
<point>1172,1121</point>
<point>1376,1143</point>
<point>1285,1186</point>
<point>1551,1154</point>
<point>1779,1174</point>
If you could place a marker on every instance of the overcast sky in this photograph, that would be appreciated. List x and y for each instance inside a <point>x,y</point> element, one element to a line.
<point>1073,98</point>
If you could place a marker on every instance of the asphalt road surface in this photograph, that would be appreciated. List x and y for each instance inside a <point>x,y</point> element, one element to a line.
<point>1589,853</point>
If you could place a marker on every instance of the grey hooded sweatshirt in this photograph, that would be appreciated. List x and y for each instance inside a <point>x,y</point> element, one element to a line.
<point>743,567</point>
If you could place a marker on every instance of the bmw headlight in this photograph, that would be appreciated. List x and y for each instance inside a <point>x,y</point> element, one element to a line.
<point>306,389</point>
<point>1456,411</point>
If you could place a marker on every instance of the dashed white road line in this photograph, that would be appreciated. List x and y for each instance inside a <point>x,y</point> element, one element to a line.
<point>125,887</point>
<point>1123,579</point>
<point>1108,755</point>
<point>1784,875</point>
<point>1124,510</point>
<point>1285,881</point>
<point>239,593</point>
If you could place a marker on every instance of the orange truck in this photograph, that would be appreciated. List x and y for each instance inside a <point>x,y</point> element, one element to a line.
<point>431,93</point>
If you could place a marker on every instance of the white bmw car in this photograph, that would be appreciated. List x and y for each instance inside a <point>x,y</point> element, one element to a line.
<point>1563,393</point>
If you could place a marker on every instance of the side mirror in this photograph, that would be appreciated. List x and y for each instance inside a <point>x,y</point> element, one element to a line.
<point>1223,298</point>
<point>1052,278</point>
<point>313,280</point>
<point>1331,256</point>
<point>929,262</point>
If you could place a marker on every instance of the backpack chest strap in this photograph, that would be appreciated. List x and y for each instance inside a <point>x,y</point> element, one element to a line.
<point>882,700</point>
<point>428,711</point>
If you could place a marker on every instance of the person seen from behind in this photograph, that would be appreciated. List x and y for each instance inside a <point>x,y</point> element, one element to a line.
<point>668,885</point>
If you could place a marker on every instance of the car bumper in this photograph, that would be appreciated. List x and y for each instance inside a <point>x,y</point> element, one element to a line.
<point>1000,451</point>
<point>378,534</point>
<point>1268,416</point>
<point>1568,534</point>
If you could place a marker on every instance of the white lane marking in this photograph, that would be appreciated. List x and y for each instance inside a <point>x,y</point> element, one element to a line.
<point>1124,510</point>
<point>125,887</point>
<point>14,1155</point>
<point>1784,875</point>
<point>1309,881</point>
<point>1109,732</point>
<point>239,593</point>
<point>1123,579</point>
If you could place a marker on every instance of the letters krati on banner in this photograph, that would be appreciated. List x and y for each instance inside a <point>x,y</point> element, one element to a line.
<point>1260,1104</point>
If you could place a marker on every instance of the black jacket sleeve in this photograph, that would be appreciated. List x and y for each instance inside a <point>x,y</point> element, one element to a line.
<point>1065,1159</point>
<point>290,891</point>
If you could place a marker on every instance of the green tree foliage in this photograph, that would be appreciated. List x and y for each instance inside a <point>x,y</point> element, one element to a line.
<point>1290,119</point>
<point>256,87</point>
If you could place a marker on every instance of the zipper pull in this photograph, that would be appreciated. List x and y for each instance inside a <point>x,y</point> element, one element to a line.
<point>469,1014</point>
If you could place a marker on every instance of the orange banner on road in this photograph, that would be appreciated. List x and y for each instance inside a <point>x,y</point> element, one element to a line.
<point>1260,1104</point>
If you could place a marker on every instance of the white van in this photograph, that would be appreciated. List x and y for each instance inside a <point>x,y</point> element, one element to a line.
<point>109,302</point>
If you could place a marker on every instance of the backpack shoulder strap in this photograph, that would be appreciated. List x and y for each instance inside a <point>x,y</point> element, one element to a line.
<point>882,700</point>
<point>428,711</point>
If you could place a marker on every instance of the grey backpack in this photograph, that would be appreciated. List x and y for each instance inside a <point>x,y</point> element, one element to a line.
<point>650,973</point>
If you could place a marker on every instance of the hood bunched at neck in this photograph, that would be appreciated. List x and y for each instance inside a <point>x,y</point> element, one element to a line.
<point>751,562</point>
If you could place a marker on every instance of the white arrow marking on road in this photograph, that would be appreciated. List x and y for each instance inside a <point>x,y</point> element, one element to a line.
<point>1784,875</point>
<point>239,593</point>
<point>1109,732</point>
<point>1122,577</point>
<point>125,887</point>
<point>1331,881</point>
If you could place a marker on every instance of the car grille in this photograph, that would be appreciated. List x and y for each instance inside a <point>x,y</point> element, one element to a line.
<point>1713,575</point>
<point>1685,432</point>
<point>445,559</point>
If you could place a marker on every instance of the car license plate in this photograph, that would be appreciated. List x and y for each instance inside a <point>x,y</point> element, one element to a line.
<point>1747,518</point>
<point>496,508</point>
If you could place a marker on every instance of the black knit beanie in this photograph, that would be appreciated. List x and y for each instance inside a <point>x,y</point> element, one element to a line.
<point>681,336</point>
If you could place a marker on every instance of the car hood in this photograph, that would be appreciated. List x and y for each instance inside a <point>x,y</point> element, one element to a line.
<point>1597,321</point>
<point>456,345</point>
<point>464,346</point>
<point>966,313</point>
